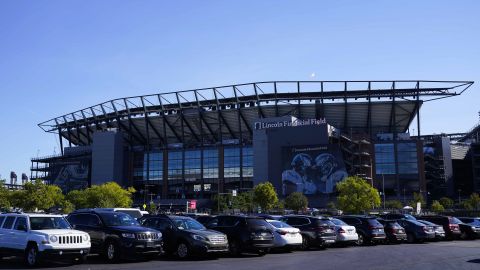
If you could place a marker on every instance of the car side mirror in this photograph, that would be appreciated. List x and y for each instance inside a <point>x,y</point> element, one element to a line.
<point>74,226</point>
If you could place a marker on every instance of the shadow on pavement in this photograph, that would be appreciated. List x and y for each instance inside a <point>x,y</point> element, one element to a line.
<point>474,261</point>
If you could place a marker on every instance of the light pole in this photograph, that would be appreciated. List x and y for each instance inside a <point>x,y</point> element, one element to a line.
<point>459,199</point>
<point>383,189</point>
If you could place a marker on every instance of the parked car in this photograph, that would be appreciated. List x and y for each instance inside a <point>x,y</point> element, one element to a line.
<point>316,231</point>
<point>285,236</point>
<point>134,212</point>
<point>396,216</point>
<point>346,234</point>
<point>270,217</point>
<point>468,231</point>
<point>204,219</point>
<point>474,232</point>
<point>394,232</point>
<point>39,237</point>
<point>185,236</point>
<point>116,235</point>
<point>474,221</point>
<point>439,231</point>
<point>417,231</point>
<point>451,228</point>
<point>244,233</point>
<point>369,230</point>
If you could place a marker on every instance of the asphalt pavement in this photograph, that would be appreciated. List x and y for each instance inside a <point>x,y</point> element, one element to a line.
<point>435,256</point>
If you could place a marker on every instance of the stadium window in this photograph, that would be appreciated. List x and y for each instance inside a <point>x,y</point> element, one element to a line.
<point>385,158</point>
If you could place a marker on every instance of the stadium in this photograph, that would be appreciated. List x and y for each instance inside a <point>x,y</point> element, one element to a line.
<point>300,135</point>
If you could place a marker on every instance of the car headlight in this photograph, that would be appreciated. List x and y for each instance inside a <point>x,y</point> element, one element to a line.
<point>53,238</point>
<point>199,237</point>
<point>159,235</point>
<point>85,237</point>
<point>128,235</point>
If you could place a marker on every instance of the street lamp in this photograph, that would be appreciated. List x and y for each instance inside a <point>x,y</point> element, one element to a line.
<point>383,189</point>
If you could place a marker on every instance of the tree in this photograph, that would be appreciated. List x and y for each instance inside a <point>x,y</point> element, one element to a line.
<point>220,202</point>
<point>38,196</point>
<point>356,195</point>
<point>152,208</point>
<point>67,207</point>
<point>243,201</point>
<point>331,205</point>
<point>280,205</point>
<point>296,201</point>
<point>265,196</point>
<point>446,202</point>
<point>394,204</point>
<point>108,195</point>
<point>473,202</point>
<point>437,206</point>
<point>4,196</point>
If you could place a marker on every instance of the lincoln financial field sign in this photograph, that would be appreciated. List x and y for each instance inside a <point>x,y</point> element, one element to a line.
<point>287,123</point>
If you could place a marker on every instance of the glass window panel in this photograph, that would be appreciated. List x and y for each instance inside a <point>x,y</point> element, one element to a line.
<point>387,168</point>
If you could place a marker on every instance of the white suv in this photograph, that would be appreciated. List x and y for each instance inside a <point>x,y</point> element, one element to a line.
<point>41,236</point>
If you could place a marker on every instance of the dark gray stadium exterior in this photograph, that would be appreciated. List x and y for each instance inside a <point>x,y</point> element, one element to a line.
<point>197,143</point>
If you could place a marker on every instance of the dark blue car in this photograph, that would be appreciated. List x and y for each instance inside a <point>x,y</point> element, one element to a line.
<point>417,232</point>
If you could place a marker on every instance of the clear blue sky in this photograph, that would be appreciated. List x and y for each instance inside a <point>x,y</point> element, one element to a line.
<point>60,56</point>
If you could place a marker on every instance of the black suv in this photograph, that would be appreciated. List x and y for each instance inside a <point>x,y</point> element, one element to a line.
<point>245,233</point>
<point>368,228</point>
<point>185,236</point>
<point>116,235</point>
<point>316,231</point>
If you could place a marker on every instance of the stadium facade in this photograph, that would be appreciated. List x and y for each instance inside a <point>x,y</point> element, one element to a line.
<point>300,135</point>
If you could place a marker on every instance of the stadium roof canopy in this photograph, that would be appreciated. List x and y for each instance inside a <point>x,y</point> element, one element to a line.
<point>211,115</point>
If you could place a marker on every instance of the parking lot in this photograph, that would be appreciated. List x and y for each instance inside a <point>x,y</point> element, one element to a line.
<point>438,255</point>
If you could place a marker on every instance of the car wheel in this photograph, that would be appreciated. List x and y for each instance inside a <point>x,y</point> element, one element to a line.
<point>305,243</point>
<point>464,236</point>
<point>234,248</point>
<point>183,251</point>
<point>31,255</point>
<point>410,238</point>
<point>360,240</point>
<point>112,252</point>
<point>262,252</point>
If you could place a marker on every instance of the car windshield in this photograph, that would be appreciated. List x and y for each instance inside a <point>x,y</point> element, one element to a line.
<point>47,223</point>
<point>410,217</point>
<point>415,222</point>
<point>455,220</point>
<point>325,222</point>
<point>393,224</point>
<point>257,222</point>
<point>338,222</point>
<point>279,224</point>
<point>133,213</point>
<point>118,219</point>
<point>426,222</point>
<point>374,222</point>
<point>187,224</point>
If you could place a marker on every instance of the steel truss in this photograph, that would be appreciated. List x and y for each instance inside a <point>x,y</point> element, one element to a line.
<point>200,116</point>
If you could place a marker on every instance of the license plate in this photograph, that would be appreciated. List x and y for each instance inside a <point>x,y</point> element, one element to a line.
<point>149,244</point>
<point>330,241</point>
